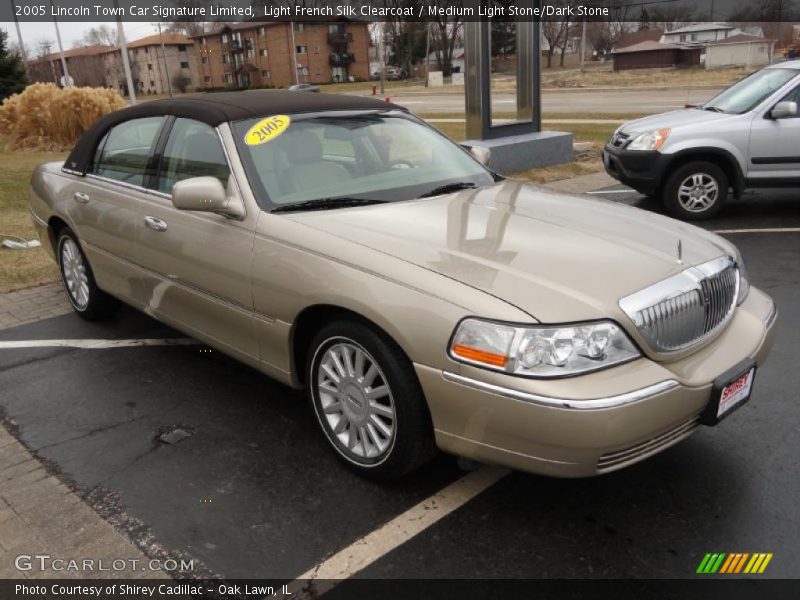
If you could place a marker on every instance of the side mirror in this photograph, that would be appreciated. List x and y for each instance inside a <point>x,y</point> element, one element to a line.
<point>784,110</point>
<point>205,194</point>
<point>481,154</point>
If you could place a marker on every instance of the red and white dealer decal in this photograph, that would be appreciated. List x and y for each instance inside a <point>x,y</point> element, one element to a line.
<point>735,392</point>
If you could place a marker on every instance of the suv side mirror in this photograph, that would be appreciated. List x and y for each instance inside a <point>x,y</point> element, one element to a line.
<point>784,110</point>
<point>481,154</point>
<point>205,194</point>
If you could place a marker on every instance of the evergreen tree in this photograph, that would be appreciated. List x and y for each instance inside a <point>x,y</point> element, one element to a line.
<point>13,78</point>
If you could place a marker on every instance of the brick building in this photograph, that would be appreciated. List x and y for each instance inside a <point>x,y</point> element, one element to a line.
<point>155,69</point>
<point>85,66</point>
<point>269,54</point>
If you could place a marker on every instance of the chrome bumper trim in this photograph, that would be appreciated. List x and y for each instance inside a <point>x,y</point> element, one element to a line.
<point>37,219</point>
<point>773,314</point>
<point>591,404</point>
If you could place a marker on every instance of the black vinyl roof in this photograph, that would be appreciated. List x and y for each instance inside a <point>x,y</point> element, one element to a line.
<point>216,108</point>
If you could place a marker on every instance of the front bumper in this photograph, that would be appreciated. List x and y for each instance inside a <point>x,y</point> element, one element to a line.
<point>591,424</point>
<point>641,170</point>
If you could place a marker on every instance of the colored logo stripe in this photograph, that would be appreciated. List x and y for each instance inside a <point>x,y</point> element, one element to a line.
<point>725,563</point>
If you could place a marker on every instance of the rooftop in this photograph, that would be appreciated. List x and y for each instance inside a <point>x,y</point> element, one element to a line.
<point>697,27</point>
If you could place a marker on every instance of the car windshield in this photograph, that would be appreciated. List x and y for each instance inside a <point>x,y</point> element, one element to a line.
<point>751,91</point>
<point>376,157</point>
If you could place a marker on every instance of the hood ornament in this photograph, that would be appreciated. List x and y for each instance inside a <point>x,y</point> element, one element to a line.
<point>680,252</point>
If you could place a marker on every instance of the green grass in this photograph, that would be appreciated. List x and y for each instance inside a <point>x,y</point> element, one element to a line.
<point>21,268</point>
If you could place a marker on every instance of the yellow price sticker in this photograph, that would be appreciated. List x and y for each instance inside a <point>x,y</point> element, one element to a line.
<point>267,130</point>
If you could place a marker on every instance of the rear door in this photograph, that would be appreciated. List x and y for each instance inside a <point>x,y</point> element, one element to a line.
<point>104,206</point>
<point>775,146</point>
<point>197,263</point>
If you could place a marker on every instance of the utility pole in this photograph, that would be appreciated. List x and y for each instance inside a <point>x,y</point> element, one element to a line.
<point>164,56</point>
<point>67,78</point>
<point>126,65</point>
<point>427,50</point>
<point>294,54</point>
<point>382,52</point>
<point>22,51</point>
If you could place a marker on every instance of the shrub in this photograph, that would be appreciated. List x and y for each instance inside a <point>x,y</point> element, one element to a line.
<point>46,117</point>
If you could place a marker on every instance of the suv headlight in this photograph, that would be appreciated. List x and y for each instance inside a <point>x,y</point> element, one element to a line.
<point>542,351</point>
<point>650,140</point>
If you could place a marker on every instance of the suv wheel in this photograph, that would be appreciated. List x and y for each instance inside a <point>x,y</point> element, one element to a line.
<point>696,190</point>
<point>88,300</point>
<point>368,401</point>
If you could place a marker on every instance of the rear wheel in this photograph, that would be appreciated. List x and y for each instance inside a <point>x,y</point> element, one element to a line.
<point>89,301</point>
<point>696,190</point>
<point>368,401</point>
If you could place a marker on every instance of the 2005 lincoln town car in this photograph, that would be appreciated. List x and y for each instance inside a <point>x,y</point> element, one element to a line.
<point>340,244</point>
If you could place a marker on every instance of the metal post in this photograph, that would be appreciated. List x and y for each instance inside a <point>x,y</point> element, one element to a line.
<point>126,65</point>
<point>427,51</point>
<point>382,57</point>
<point>23,54</point>
<point>294,54</point>
<point>164,57</point>
<point>583,45</point>
<point>67,78</point>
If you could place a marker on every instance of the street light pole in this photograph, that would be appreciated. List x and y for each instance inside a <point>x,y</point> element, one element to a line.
<point>67,78</point>
<point>22,51</point>
<point>126,65</point>
<point>164,57</point>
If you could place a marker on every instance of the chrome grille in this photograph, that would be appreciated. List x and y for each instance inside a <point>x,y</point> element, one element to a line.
<point>686,308</point>
<point>621,458</point>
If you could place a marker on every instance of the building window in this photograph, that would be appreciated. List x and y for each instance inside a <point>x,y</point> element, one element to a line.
<point>205,60</point>
<point>265,73</point>
<point>694,37</point>
<point>152,83</point>
<point>302,70</point>
<point>683,38</point>
<point>299,27</point>
<point>225,59</point>
<point>149,66</point>
<point>207,79</point>
<point>262,53</point>
<point>146,50</point>
<point>181,48</point>
<point>262,31</point>
<point>300,49</point>
<point>250,53</point>
<point>224,38</point>
<point>228,78</point>
<point>203,41</point>
<point>184,65</point>
<point>336,28</point>
<point>316,49</point>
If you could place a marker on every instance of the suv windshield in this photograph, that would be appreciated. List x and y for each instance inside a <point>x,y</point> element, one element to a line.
<point>377,157</point>
<point>750,91</point>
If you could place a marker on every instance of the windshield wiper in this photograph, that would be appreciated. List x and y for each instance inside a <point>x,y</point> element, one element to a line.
<point>325,203</point>
<point>713,109</point>
<point>448,188</point>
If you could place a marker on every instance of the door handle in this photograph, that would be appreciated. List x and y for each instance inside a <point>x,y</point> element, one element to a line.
<point>81,197</point>
<point>155,223</point>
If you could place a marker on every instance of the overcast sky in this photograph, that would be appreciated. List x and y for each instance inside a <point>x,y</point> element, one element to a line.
<point>70,32</point>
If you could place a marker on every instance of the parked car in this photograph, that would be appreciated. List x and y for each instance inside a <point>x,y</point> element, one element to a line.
<point>746,137</point>
<point>339,244</point>
<point>304,87</point>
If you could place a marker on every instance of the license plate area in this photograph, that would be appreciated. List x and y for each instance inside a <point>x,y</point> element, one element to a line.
<point>731,390</point>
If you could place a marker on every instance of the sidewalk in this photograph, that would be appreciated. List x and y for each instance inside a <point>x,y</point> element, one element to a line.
<point>584,183</point>
<point>39,515</point>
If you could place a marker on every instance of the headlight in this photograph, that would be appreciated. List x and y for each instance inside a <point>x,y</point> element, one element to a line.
<point>650,140</point>
<point>542,351</point>
<point>744,280</point>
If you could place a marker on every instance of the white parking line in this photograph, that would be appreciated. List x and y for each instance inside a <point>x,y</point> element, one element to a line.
<point>625,191</point>
<point>96,344</point>
<point>768,230</point>
<point>365,551</point>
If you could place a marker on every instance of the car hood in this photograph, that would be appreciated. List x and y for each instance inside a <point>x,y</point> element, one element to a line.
<point>672,120</point>
<point>555,256</point>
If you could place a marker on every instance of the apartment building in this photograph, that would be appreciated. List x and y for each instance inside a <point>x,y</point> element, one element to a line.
<point>84,65</point>
<point>270,54</point>
<point>155,69</point>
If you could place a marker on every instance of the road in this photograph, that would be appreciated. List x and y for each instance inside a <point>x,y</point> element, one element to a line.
<point>567,101</point>
<point>254,491</point>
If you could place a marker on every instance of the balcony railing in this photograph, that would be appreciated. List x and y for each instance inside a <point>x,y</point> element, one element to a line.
<point>336,38</point>
<point>341,59</point>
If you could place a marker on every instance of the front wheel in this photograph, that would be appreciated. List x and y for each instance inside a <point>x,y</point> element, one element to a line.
<point>88,300</point>
<point>368,401</point>
<point>696,190</point>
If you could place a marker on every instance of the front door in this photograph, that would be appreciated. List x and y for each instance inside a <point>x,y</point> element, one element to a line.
<point>197,263</point>
<point>775,146</point>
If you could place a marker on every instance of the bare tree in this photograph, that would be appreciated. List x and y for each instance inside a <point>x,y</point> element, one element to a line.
<point>102,35</point>
<point>43,47</point>
<point>445,33</point>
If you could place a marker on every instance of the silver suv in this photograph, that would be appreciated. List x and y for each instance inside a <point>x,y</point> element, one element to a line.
<point>746,137</point>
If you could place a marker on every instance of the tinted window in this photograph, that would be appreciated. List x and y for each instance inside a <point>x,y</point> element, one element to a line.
<point>751,91</point>
<point>193,150</point>
<point>793,96</point>
<point>123,153</point>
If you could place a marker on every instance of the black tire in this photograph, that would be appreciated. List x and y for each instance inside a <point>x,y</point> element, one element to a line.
<point>411,444</point>
<point>678,198</point>
<point>91,303</point>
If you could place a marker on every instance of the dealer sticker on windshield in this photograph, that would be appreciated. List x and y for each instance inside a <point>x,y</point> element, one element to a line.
<point>267,130</point>
<point>735,392</point>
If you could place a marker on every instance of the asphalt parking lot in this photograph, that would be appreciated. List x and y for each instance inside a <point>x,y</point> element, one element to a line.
<point>254,492</point>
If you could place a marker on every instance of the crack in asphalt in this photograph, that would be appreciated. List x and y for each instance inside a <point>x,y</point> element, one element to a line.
<point>91,433</point>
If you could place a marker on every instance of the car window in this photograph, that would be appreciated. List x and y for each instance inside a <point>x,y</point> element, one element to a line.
<point>751,91</point>
<point>123,154</point>
<point>793,96</point>
<point>193,150</point>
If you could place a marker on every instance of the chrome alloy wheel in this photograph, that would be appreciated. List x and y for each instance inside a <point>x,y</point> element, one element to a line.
<point>355,401</point>
<point>698,192</point>
<point>73,270</point>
